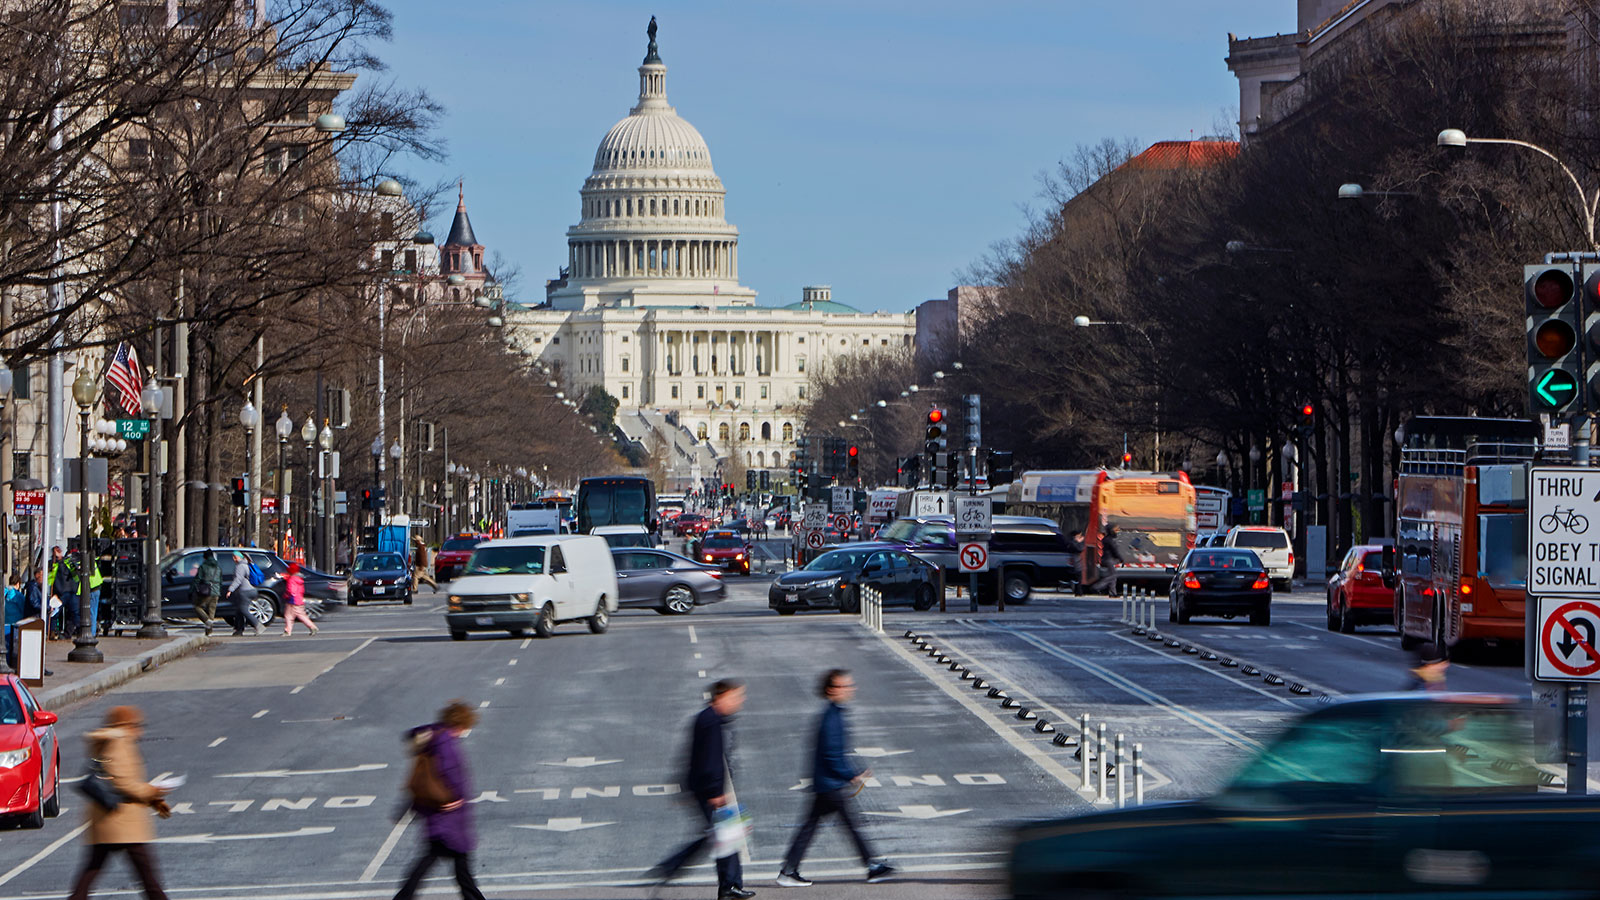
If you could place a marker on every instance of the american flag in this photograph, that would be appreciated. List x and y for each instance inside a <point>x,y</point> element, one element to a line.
<point>124,373</point>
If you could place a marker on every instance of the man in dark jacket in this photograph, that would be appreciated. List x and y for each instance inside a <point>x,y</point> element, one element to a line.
<point>710,753</point>
<point>834,781</point>
<point>207,588</point>
<point>1110,558</point>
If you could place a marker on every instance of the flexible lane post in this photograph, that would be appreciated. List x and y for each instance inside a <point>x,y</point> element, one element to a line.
<point>1122,772</point>
<point>1084,752</point>
<point>1102,764</point>
<point>1138,774</point>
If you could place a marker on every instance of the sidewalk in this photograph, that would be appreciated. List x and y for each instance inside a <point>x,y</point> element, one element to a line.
<point>126,658</point>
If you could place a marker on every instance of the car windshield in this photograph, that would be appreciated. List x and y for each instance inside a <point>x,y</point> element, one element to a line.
<point>506,561</point>
<point>10,709</point>
<point>1222,559</point>
<point>722,543</point>
<point>1503,549</point>
<point>1268,540</point>
<point>379,562</point>
<point>629,540</point>
<point>902,530</point>
<point>462,543</point>
<point>839,559</point>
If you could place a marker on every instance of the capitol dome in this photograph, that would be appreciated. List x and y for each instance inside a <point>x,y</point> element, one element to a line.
<point>652,207</point>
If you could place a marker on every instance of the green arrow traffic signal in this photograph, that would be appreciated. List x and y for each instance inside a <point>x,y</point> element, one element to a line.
<point>1555,389</point>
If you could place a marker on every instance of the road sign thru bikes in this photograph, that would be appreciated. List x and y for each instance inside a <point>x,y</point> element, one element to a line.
<point>1564,532</point>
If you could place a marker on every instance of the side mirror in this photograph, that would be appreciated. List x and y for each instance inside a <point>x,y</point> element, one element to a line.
<point>44,717</point>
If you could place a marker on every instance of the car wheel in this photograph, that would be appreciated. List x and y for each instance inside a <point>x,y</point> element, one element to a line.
<point>1347,620</point>
<point>458,635</point>
<point>263,609</point>
<point>352,602</point>
<point>518,631</point>
<point>52,807</point>
<point>1018,586</point>
<point>678,600</point>
<point>924,601</point>
<point>850,602</point>
<point>1262,616</point>
<point>545,624</point>
<point>785,612</point>
<point>1333,614</point>
<point>35,819</point>
<point>408,599</point>
<point>601,620</point>
<point>1172,609</point>
<point>1183,612</point>
<point>1285,585</point>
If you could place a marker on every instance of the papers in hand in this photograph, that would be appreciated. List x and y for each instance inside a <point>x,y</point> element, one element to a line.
<point>169,783</point>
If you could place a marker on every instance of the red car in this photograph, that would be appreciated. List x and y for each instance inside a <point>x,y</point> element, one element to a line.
<point>690,524</point>
<point>1356,593</point>
<point>30,759</point>
<point>726,549</point>
<point>453,555</point>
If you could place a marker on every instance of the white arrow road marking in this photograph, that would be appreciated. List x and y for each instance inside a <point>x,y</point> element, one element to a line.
<point>920,812</point>
<point>285,773</point>
<point>577,824</point>
<point>877,752</point>
<point>580,762</point>
<point>208,838</point>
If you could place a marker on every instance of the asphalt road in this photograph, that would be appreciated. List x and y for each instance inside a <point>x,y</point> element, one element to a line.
<point>294,761</point>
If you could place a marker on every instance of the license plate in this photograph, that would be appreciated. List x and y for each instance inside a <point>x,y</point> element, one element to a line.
<point>378,590</point>
<point>485,620</point>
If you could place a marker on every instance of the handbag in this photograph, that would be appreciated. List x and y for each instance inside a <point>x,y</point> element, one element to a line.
<point>428,791</point>
<point>97,786</point>
<point>730,829</point>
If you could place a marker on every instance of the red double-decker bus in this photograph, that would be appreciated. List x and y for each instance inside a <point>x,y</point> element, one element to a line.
<point>1461,547</point>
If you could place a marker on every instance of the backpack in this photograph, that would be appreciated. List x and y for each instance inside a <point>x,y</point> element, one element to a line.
<point>256,578</point>
<point>428,791</point>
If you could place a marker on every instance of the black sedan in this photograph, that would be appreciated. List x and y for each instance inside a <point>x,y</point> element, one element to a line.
<point>380,576</point>
<point>663,581</point>
<point>1221,582</point>
<point>834,580</point>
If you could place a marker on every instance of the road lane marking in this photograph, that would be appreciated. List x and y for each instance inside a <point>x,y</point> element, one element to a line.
<point>483,705</point>
<point>526,643</point>
<point>693,637</point>
<point>1194,717</point>
<point>511,662</point>
<point>697,656</point>
<point>1214,670</point>
<point>702,673</point>
<point>259,714</point>
<point>215,742</point>
<point>297,689</point>
<point>286,773</point>
<point>499,681</point>
<point>50,848</point>
<point>364,645</point>
<point>382,856</point>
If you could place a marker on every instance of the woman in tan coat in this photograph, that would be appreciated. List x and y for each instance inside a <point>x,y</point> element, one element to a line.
<point>128,827</point>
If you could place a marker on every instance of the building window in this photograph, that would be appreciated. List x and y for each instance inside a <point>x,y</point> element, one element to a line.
<point>738,392</point>
<point>766,431</point>
<point>22,388</point>
<point>699,392</point>
<point>674,392</point>
<point>764,391</point>
<point>624,392</point>
<point>700,431</point>
<point>625,339</point>
<point>744,431</point>
<point>411,261</point>
<point>722,431</point>
<point>801,339</point>
<point>386,260</point>
<point>21,464</point>
<point>885,342</point>
<point>538,339</point>
<point>139,152</point>
<point>624,363</point>
<point>800,392</point>
<point>799,363</point>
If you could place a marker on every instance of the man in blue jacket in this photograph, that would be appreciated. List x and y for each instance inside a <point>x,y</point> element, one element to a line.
<point>710,761</point>
<point>834,781</point>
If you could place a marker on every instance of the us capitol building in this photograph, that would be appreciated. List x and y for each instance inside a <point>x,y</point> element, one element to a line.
<point>649,305</point>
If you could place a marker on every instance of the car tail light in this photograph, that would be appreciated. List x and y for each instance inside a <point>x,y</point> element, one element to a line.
<point>1261,583</point>
<point>1466,585</point>
<point>1191,582</point>
<point>1291,559</point>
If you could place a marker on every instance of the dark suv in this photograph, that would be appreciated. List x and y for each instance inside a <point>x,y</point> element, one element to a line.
<point>178,569</point>
<point>1023,551</point>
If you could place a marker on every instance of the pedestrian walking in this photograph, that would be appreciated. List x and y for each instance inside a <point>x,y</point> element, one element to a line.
<point>419,567</point>
<point>710,781</point>
<point>242,594</point>
<point>294,584</point>
<point>439,789</point>
<point>1110,558</point>
<point>64,590</point>
<point>126,826</point>
<point>207,588</point>
<point>834,784</point>
<point>15,604</point>
<point>1429,668</point>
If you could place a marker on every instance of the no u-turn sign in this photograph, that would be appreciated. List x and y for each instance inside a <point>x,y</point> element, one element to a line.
<point>1568,632</point>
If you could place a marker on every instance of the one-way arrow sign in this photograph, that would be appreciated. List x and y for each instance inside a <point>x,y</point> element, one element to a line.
<point>574,824</point>
<point>580,762</point>
<point>209,838</point>
<point>920,812</point>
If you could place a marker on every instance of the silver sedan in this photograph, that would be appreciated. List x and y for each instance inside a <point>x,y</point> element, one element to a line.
<point>664,581</point>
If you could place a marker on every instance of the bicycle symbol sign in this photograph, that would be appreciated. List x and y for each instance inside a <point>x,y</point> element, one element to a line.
<point>1566,519</point>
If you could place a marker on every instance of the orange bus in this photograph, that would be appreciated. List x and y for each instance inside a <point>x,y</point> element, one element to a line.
<point>1155,512</point>
<point>1459,567</point>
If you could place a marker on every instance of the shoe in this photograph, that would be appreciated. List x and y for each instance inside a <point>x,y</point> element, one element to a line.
<point>208,631</point>
<point>736,893</point>
<point>880,872</point>
<point>47,672</point>
<point>258,629</point>
<point>793,879</point>
<point>238,632</point>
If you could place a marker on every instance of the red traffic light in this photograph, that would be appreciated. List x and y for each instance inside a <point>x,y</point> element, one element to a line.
<point>1127,458</point>
<point>1308,410</point>
<point>935,416</point>
<point>1552,288</point>
<point>854,451</point>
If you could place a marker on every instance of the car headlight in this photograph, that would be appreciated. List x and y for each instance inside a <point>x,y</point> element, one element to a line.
<point>521,601</point>
<point>455,602</point>
<point>13,758</point>
<point>738,556</point>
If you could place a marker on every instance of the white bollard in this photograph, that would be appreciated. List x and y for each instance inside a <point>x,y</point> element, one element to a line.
<point>1102,791</point>
<point>1138,774</point>
<point>1084,752</point>
<point>1124,601</point>
<point>1122,773</point>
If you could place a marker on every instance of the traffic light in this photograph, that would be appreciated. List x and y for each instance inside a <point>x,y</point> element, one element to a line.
<point>1591,332</point>
<point>853,462</point>
<point>1308,418</point>
<point>749,479</point>
<point>910,471</point>
<point>1126,458</point>
<point>366,499</point>
<point>1001,470</point>
<point>1553,318</point>
<point>766,479</point>
<point>974,419</point>
<point>935,442</point>
<point>239,491</point>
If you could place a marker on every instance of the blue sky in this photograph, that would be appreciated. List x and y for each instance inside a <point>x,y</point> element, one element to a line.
<point>880,147</point>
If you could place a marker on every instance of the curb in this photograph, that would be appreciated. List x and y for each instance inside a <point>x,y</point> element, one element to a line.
<point>122,672</point>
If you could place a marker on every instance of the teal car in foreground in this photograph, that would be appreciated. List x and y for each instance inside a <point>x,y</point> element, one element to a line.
<point>1430,794</point>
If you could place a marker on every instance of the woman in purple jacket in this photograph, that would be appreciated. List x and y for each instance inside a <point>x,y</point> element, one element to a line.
<point>448,828</point>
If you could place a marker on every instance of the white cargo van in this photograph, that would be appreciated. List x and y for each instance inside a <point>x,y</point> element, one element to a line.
<point>1272,546</point>
<point>517,584</point>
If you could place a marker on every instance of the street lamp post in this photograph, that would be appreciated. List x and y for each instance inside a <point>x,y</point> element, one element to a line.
<point>5,391</point>
<point>249,417</point>
<point>395,452</point>
<point>308,540</point>
<point>325,441</point>
<point>1086,322</point>
<point>284,427</point>
<point>1455,137</point>
<point>85,647</point>
<point>150,625</point>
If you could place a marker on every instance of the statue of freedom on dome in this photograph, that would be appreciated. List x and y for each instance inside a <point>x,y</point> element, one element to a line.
<point>651,56</point>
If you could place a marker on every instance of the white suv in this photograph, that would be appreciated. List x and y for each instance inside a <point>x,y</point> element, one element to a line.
<point>1272,546</point>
